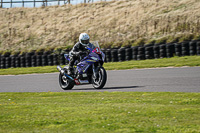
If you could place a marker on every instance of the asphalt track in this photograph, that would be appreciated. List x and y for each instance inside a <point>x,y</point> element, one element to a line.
<point>185,79</point>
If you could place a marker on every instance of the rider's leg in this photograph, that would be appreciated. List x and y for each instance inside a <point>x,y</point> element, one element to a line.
<point>71,64</point>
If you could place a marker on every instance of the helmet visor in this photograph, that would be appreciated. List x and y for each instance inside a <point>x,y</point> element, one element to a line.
<point>85,41</point>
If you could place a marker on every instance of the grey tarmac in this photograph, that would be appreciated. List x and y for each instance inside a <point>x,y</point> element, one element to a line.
<point>184,79</point>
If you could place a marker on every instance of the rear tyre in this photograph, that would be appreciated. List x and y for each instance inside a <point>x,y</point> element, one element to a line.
<point>100,81</point>
<point>65,83</point>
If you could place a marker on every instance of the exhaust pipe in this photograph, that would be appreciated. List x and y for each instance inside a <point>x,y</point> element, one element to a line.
<point>59,68</point>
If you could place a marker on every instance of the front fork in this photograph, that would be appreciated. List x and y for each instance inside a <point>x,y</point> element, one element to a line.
<point>95,71</point>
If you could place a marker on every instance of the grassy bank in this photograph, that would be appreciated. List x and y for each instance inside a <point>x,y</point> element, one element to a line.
<point>165,62</point>
<point>112,23</point>
<point>100,112</point>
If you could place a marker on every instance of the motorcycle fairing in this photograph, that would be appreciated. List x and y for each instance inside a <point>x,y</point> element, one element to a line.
<point>87,62</point>
<point>97,50</point>
<point>67,57</point>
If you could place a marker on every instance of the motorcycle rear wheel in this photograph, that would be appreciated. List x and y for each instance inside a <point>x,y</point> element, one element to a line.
<point>65,83</point>
<point>101,80</point>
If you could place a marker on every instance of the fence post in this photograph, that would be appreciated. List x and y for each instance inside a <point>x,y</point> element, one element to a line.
<point>11,3</point>
<point>45,2</point>
<point>1,3</point>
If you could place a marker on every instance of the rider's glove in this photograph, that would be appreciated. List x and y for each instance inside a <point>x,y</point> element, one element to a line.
<point>83,52</point>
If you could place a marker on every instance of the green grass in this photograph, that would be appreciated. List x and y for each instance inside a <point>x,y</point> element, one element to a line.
<point>97,112</point>
<point>165,62</point>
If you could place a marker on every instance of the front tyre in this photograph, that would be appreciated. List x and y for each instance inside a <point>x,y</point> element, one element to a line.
<point>100,80</point>
<point>65,83</point>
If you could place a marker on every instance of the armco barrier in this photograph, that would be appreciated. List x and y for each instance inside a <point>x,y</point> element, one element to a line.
<point>149,51</point>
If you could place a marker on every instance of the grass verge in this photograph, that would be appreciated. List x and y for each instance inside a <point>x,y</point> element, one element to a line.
<point>165,62</point>
<point>100,112</point>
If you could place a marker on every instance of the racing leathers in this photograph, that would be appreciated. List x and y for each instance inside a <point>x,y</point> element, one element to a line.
<point>75,54</point>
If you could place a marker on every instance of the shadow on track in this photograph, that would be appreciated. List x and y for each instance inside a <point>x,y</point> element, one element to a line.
<point>114,88</point>
<point>122,87</point>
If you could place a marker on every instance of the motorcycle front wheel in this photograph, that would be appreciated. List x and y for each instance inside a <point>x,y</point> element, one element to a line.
<point>65,83</point>
<point>100,80</point>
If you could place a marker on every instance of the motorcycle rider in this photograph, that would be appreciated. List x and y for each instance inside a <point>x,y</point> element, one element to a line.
<point>78,49</point>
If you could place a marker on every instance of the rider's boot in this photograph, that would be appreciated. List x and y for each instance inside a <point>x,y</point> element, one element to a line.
<point>70,71</point>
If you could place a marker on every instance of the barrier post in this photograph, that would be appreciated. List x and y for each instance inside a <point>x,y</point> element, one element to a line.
<point>11,3</point>
<point>1,4</point>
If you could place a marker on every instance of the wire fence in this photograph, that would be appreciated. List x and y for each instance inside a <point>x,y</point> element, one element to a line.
<point>39,3</point>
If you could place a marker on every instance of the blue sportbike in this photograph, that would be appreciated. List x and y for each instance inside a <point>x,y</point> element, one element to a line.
<point>87,70</point>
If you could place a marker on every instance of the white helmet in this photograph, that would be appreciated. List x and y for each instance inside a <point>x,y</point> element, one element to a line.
<point>84,39</point>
